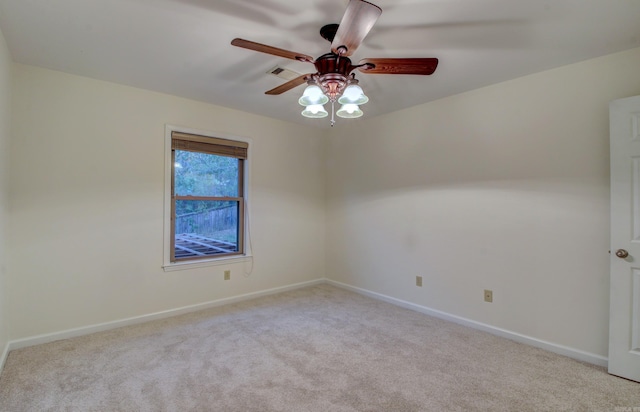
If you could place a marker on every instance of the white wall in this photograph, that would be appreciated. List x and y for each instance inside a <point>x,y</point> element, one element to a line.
<point>503,188</point>
<point>87,203</point>
<point>5,130</point>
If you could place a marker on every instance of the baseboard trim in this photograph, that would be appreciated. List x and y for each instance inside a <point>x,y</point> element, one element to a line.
<point>86,330</point>
<point>528,340</point>
<point>5,354</point>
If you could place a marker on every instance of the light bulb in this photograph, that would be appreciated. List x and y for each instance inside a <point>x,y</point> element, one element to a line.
<point>315,111</point>
<point>353,94</point>
<point>349,111</point>
<point>313,95</point>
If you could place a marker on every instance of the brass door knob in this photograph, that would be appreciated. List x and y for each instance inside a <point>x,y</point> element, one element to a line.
<point>621,253</point>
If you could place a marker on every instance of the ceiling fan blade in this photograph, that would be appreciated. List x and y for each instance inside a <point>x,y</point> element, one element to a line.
<point>424,66</point>
<point>358,19</point>
<point>246,44</point>
<point>288,85</point>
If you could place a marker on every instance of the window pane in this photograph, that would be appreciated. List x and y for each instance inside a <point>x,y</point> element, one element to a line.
<point>203,174</point>
<point>205,228</point>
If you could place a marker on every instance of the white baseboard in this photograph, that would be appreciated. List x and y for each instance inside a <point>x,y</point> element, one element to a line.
<point>70,333</point>
<point>5,353</point>
<point>528,340</point>
<point>86,330</point>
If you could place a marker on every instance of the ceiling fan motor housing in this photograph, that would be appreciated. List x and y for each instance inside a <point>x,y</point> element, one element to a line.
<point>333,74</point>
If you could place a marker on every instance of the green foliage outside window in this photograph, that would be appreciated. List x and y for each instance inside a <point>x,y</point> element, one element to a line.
<point>202,174</point>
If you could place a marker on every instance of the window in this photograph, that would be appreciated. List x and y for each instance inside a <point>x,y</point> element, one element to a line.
<point>207,197</point>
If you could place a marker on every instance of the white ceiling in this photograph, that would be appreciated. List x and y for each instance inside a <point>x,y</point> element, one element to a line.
<point>182,47</point>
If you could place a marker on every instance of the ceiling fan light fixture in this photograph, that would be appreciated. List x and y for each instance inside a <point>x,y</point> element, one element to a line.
<point>313,95</point>
<point>353,94</point>
<point>349,111</point>
<point>334,80</point>
<point>315,111</point>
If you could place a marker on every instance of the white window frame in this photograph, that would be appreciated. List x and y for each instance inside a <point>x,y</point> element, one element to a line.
<point>168,265</point>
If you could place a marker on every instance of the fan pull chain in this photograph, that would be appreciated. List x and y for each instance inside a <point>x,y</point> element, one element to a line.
<point>333,101</point>
<point>333,120</point>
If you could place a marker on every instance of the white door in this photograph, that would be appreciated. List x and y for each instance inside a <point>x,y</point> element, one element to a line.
<point>624,313</point>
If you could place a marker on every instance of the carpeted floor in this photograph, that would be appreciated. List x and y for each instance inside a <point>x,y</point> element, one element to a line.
<point>315,349</point>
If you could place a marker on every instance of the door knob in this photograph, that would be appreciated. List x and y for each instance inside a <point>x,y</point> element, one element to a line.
<point>621,253</point>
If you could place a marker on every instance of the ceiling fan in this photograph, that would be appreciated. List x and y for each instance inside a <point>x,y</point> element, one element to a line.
<point>334,80</point>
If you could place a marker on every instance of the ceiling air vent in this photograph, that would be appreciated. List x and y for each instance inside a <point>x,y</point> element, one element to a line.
<point>283,73</point>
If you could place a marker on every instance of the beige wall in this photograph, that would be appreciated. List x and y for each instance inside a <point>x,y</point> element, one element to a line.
<point>503,188</point>
<point>5,130</point>
<point>87,203</point>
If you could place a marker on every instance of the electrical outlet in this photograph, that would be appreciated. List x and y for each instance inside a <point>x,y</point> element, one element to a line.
<point>488,295</point>
<point>227,275</point>
<point>419,281</point>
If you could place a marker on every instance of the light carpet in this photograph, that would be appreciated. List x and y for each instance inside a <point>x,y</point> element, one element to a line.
<point>319,348</point>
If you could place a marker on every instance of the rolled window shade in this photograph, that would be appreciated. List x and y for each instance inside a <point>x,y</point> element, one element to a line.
<point>212,145</point>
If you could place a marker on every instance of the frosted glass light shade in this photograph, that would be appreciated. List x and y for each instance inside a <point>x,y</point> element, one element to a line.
<point>353,94</point>
<point>315,111</point>
<point>313,95</point>
<point>349,111</point>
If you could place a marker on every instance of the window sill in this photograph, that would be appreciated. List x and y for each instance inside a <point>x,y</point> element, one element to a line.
<point>170,267</point>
